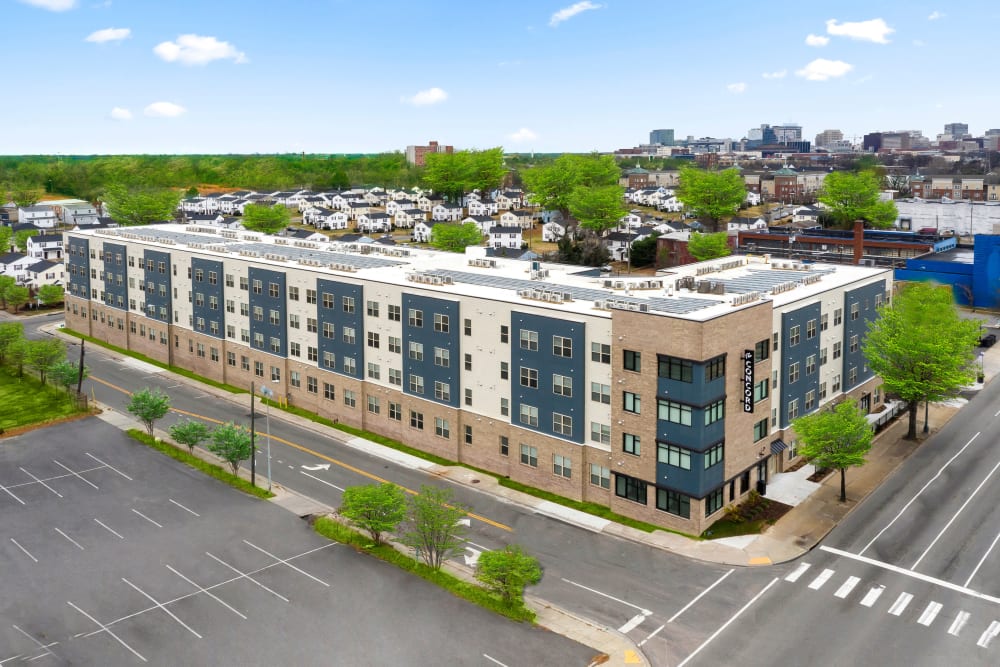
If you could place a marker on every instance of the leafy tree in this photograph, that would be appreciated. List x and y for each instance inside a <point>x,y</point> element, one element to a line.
<point>432,525</point>
<point>6,283</point>
<point>6,238</point>
<point>711,194</point>
<point>507,572</point>
<point>837,438</point>
<point>340,179</point>
<point>486,170</point>
<point>17,354</point>
<point>140,207</point>
<point>448,173</point>
<point>644,252</point>
<point>921,348</point>
<point>25,196</point>
<point>148,406</point>
<point>189,433</point>
<point>45,353</point>
<point>855,196</point>
<point>708,246</point>
<point>598,208</point>
<point>191,192</point>
<point>51,294</point>
<point>265,219</point>
<point>17,296</point>
<point>10,333</point>
<point>65,373</point>
<point>231,443</point>
<point>375,508</point>
<point>552,186</point>
<point>21,238</point>
<point>454,238</point>
<point>587,251</point>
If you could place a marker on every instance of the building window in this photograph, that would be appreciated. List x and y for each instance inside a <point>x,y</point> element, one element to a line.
<point>760,430</point>
<point>562,466</point>
<point>373,339</point>
<point>673,368</point>
<point>600,476</point>
<point>396,377</point>
<point>374,371</point>
<point>631,444</point>
<point>441,428</point>
<point>329,331</point>
<point>562,424</point>
<point>852,376</point>
<point>794,334</point>
<point>793,373</point>
<point>293,293</point>
<point>562,346</point>
<point>855,311</point>
<point>312,353</point>
<point>760,391</point>
<point>713,455</point>
<point>372,308</point>
<point>529,340</point>
<point>504,370</point>
<point>347,304</point>
<point>822,356</point>
<point>415,318</point>
<point>395,345</point>
<point>395,411</point>
<point>822,390</point>
<point>347,335</point>
<point>600,352</point>
<point>631,402</point>
<point>327,300</point>
<point>273,290</point>
<point>416,384</point>
<point>600,433</point>
<point>468,397</point>
<point>374,405</point>
<point>505,407</point>
<point>838,317</point>
<point>600,393</point>
<point>810,364</point>
<point>529,377</point>
<point>674,503</point>
<point>715,412</point>
<point>275,345</point>
<point>836,349</point>
<point>329,360</point>
<point>793,409</point>
<point>774,341</point>
<point>258,287</point>
<point>312,385</point>
<point>854,343</point>
<point>529,455</point>
<point>504,446</point>
<point>715,368</point>
<point>836,384</point>
<point>713,502</point>
<point>441,323</point>
<point>467,327</point>
<point>416,351</point>
<point>274,317</point>
<point>630,489</point>
<point>673,455</point>
<point>468,434</point>
<point>231,359</point>
<point>810,400</point>
<point>395,313</point>
<point>294,379</point>
<point>504,334</point>
<point>529,415</point>
<point>562,385</point>
<point>417,420</point>
<point>632,361</point>
<point>329,391</point>
<point>442,357</point>
<point>442,391</point>
<point>275,374</point>
<point>673,412</point>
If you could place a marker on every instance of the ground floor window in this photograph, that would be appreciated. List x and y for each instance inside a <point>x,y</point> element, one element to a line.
<point>630,488</point>
<point>713,502</point>
<point>600,476</point>
<point>672,502</point>
<point>529,455</point>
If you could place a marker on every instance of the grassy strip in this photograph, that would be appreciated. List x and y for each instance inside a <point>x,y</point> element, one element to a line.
<point>149,360</point>
<point>25,401</point>
<point>730,528</point>
<point>336,531</point>
<point>193,461</point>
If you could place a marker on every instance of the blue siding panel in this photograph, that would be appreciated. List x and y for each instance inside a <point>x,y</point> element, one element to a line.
<point>338,313</point>
<point>265,300</point>
<point>791,354</point>
<point>207,291</point>
<point>115,272</point>
<point>159,294</point>
<point>864,297</point>
<point>79,262</point>
<point>429,338</point>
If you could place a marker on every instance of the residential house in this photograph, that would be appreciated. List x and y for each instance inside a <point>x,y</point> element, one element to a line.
<point>45,246</point>
<point>423,231</point>
<point>446,212</point>
<point>619,244</point>
<point>329,219</point>
<point>40,215</point>
<point>630,220</point>
<point>406,218</point>
<point>505,237</point>
<point>79,214</point>
<point>374,222</point>
<point>521,217</point>
<point>478,207</point>
<point>554,230</point>
<point>358,208</point>
<point>14,264</point>
<point>203,218</point>
<point>44,272</point>
<point>509,199</point>
<point>304,235</point>
<point>745,223</point>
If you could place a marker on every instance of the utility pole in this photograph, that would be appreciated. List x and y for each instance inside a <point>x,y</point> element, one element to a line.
<point>79,381</point>
<point>253,449</point>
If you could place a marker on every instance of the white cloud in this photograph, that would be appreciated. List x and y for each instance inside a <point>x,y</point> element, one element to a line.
<point>874,30</point>
<point>522,135</point>
<point>52,5</point>
<point>425,97</point>
<point>822,69</point>
<point>567,13</point>
<point>119,113</point>
<point>780,74</point>
<point>164,110</point>
<point>198,50</point>
<point>737,88</point>
<point>935,15</point>
<point>108,35</point>
<point>816,40</point>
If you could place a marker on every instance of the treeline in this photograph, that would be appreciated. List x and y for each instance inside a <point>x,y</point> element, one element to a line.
<point>86,177</point>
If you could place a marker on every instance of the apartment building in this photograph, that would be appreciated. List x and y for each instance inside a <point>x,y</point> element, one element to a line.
<point>664,398</point>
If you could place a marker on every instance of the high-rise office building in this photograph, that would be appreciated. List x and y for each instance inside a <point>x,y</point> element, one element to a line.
<point>787,133</point>
<point>957,130</point>
<point>662,137</point>
<point>829,137</point>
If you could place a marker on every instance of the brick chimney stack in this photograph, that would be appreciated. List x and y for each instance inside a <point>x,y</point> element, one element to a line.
<point>859,241</point>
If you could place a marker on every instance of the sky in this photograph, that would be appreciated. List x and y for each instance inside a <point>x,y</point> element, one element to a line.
<point>367,76</point>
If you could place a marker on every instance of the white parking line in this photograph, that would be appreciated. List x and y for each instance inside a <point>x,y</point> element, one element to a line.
<point>922,489</point>
<point>44,647</point>
<point>53,477</point>
<point>955,515</point>
<point>76,474</point>
<point>846,588</point>
<point>162,608</point>
<point>959,623</point>
<point>10,493</point>
<point>207,592</point>
<point>699,596</point>
<point>108,465</point>
<point>899,605</point>
<point>146,518</point>
<point>797,572</point>
<point>40,481</point>
<point>245,575</point>
<point>284,562</point>
<point>820,579</point>
<point>78,546</point>
<point>872,596</point>
<point>982,560</point>
<point>727,623</point>
<point>651,635</point>
<point>182,507</point>
<point>494,660</point>
<point>930,613</point>
<point>109,529</point>
<point>632,624</point>
<point>322,481</point>
<point>989,634</point>
<point>26,552</point>
<point>104,628</point>
<point>610,597</point>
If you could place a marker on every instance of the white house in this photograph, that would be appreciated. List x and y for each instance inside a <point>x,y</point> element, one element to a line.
<point>423,231</point>
<point>478,207</point>
<point>484,222</point>
<point>330,219</point>
<point>446,213</point>
<point>752,198</point>
<point>14,264</point>
<point>630,221</point>
<point>79,214</point>
<point>45,246</point>
<point>408,217</point>
<point>670,204</point>
<point>805,214</point>
<point>554,230</point>
<point>204,218</point>
<point>304,235</point>
<point>374,222</point>
<point>44,272</point>
<point>509,199</point>
<point>505,237</point>
<point>746,224</point>
<point>620,243</point>
<point>40,215</point>
<point>358,208</point>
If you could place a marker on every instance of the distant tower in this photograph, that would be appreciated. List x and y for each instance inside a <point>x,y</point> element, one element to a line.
<point>662,137</point>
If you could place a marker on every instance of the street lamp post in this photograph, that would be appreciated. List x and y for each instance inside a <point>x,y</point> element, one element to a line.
<point>253,449</point>
<point>268,393</point>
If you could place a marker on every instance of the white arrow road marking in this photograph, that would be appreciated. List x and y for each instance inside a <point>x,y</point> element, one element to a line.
<point>471,561</point>
<point>318,466</point>
<point>464,522</point>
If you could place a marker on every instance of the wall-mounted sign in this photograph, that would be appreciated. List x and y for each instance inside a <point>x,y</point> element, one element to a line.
<point>748,364</point>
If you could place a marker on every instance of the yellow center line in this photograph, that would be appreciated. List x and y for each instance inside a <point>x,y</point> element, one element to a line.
<point>341,464</point>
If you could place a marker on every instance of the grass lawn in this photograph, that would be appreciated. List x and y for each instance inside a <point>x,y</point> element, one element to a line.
<point>24,401</point>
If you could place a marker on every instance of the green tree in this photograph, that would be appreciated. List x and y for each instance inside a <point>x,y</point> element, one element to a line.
<point>21,238</point>
<point>17,296</point>
<point>598,208</point>
<point>23,196</point>
<point>17,354</point>
<point>855,196</point>
<point>231,443</point>
<point>432,527</point>
<point>65,373</point>
<point>6,283</point>
<point>838,438</point>
<point>486,170</point>
<point>644,252</point>
<point>140,206</point>
<point>189,433</point>
<point>6,238</point>
<point>375,508</point>
<point>454,237</point>
<point>711,194</point>
<point>552,185</point>
<point>51,294</point>
<point>10,333</point>
<point>448,174</point>
<point>45,353</point>
<point>265,219</point>
<point>921,347</point>
<point>507,572</point>
<point>191,192</point>
<point>708,246</point>
<point>148,406</point>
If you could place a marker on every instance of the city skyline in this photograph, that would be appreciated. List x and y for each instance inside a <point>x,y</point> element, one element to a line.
<point>117,77</point>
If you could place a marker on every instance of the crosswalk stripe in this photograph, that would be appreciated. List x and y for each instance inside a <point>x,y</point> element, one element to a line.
<point>989,634</point>
<point>900,604</point>
<point>820,579</point>
<point>872,596</point>
<point>846,588</point>
<point>798,572</point>
<point>930,613</point>
<point>959,623</point>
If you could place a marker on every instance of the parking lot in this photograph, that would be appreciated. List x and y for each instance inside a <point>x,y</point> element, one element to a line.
<point>113,554</point>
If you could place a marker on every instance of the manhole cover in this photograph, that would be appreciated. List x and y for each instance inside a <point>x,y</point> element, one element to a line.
<point>475,481</point>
